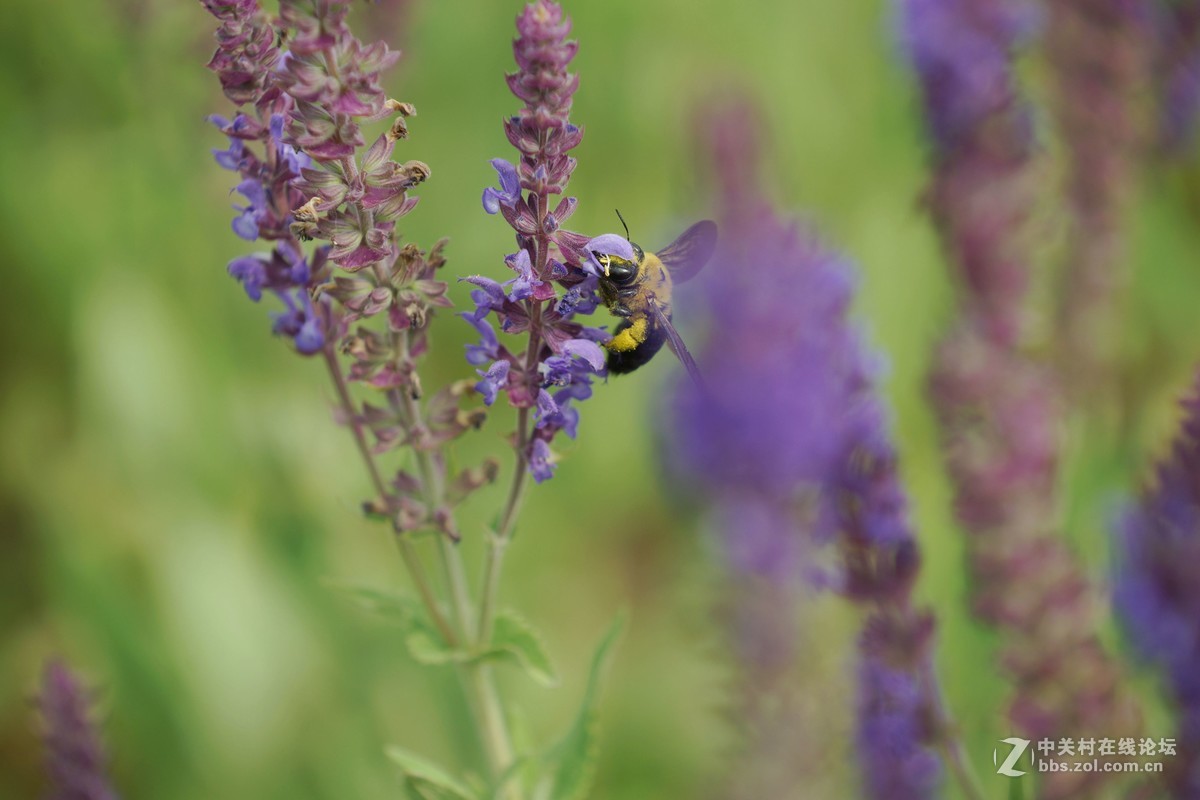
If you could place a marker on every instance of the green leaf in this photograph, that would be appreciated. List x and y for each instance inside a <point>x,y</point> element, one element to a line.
<point>514,638</point>
<point>391,607</point>
<point>573,759</point>
<point>425,780</point>
<point>427,646</point>
<point>424,642</point>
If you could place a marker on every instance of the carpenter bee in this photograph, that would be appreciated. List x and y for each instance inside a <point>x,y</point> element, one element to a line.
<point>638,290</point>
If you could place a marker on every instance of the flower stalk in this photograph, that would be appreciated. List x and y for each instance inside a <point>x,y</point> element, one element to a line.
<point>1001,411</point>
<point>801,471</point>
<point>76,761</point>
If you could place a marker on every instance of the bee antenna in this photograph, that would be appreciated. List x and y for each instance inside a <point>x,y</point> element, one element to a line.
<point>623,225</point>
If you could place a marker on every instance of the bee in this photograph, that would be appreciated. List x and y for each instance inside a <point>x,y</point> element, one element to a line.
<point>639,292</point>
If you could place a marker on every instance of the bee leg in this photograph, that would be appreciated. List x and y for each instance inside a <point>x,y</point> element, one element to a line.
<point>622,310</point>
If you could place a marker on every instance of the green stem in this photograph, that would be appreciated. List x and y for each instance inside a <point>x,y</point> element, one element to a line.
<point>478,682</point>
<point>408,553</point>
<point>498,539</point>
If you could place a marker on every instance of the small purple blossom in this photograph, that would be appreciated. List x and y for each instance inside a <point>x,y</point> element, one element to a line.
<point>494,380</point>
<point>300,322</point>
<point>541,461</point>
<point>510,188</point>
<point>75,757</point>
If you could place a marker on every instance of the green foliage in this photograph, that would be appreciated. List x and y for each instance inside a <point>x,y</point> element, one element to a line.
<point>570,764</point>
<point>515,639</point>
<point>425,780</point>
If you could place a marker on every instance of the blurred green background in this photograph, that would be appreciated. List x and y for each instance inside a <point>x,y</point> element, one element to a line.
<point>174,500</point>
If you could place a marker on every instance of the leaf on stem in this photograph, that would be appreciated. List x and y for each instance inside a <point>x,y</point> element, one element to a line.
<point>571,762</point>
<point>514,639</point>
<point>425,780</point>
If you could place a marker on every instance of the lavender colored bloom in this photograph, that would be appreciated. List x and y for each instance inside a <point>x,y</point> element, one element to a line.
<point>541,463</point>
<point>75,757</point>
<point>1158,586</point>
<point>789,443</point>
<point>1000,411</point>
<point>561,352</point>
<point>895,727</point>
<point>1177,67</point>
<point>246,50</point>
<point>510,188</point>
<point>300,322</point>
<point>494,380</point>
<point>607,244</point>
<point>962,49</point>
<point>1098,49</point>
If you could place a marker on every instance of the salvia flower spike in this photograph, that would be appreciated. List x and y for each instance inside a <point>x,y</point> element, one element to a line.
<point>1158,586</point>
<point>999,410</point>
<point>800,466</point>
<point>551,371</point>
<point>75,757</point>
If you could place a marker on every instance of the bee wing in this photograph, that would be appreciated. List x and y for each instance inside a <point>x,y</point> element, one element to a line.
<point>675,342</point>
<point>688,254</point>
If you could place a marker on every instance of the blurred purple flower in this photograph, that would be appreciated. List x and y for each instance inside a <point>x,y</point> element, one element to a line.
<point>961,49</point>
<point>789,443</point>
<point>1000,412</point>
<point>893,709</point>
<point>1157,588</point>
<point>75,757</point>
<point>1099,51</point>
<point>1177,67</point>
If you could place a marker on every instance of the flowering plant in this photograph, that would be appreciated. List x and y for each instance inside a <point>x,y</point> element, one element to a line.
<point>305,87</point>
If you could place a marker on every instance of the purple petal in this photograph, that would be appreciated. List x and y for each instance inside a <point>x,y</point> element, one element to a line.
<point>588,350</point>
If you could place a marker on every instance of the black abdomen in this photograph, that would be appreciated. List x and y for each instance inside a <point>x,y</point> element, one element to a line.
<point>621,362</point>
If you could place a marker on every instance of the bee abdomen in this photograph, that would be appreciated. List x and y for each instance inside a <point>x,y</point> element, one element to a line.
<point>621,362</point>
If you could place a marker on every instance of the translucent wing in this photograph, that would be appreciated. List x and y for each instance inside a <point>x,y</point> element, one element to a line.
<point>675,342</point>
<point>688,254</point>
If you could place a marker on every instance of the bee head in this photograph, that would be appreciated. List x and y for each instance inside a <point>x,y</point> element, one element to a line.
<point>616,269</point>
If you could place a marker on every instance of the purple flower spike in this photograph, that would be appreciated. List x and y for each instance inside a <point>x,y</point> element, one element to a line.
<point>1100,54</point>
<point>1000,411</point>
<point>1157,589</point>
<point>789,444</point>
<point>75,758</point>
<point>560,352</point>
<point>510,188</point>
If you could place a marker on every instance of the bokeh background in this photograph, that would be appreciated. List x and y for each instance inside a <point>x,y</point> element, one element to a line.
<point>176,506</point>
